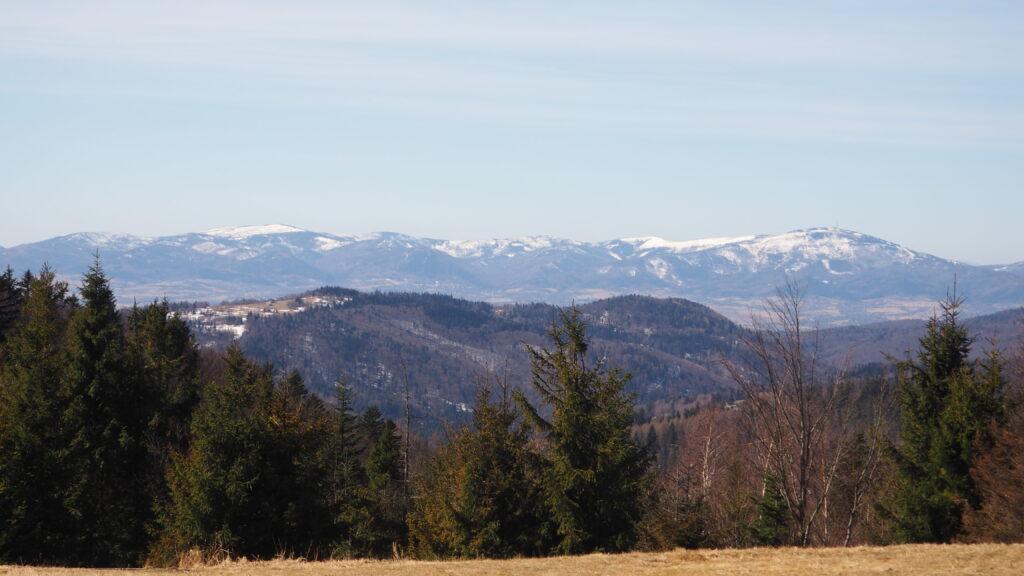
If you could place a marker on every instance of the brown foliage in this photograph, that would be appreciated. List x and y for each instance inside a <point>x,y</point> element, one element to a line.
<point>999,472</point>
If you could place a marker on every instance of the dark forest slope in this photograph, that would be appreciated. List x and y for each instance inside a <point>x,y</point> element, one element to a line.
<point>444,346</point>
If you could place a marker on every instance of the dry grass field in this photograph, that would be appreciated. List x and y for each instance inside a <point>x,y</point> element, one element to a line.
<point>923,559</point>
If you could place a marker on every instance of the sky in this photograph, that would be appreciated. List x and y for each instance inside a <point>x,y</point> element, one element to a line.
<point>589,120</point>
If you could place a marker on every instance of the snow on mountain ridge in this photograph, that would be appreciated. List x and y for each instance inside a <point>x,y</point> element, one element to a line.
<point>833,243</point>
<point>814,243</point>
<point>110,239</point>
<point>682,246</point>
<point>851,276</point>
<point>823,242</point>
<point>498,246</point>
<point>792,250</point>
<point>243,232</point>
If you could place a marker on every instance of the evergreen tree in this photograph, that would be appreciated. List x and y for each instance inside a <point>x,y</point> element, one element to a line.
<point>369,427</point>
<point>11,295</point>
<point>35,524</point>
<point>770,527</point>
<point>301,463</point>
<point>596,473</point>
<point>482,495</point>
<point>347,471</point>
<point>105,417</point>
<point>667,447</point>
<point>164,362</point>
<point>946,404</point>
<point>164,354</point>
<point>651,444</point>
<point>27,278</point>
<point>381,529</point>
<point>221,491</point>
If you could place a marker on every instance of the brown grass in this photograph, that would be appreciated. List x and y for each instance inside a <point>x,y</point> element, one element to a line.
<point>920,559</point>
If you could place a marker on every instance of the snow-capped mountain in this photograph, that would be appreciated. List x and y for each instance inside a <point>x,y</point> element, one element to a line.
<point>847,276</point>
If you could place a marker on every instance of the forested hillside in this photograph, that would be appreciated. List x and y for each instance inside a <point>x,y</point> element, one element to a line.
<point>122,441</point>
<point>873,343</point>
<point>442,347</point>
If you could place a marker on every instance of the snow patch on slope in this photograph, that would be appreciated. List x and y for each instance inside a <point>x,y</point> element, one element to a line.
<point>658,267</point>
<point>325,244</point>
<point>213,248</point>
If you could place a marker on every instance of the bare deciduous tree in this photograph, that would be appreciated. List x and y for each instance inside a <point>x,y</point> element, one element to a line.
<point>796,408</point>
<point>869,464</point>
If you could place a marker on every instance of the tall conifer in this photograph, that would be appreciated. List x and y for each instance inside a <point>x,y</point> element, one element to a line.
<point>946,403</point>
<point>300,461</point>
<point>220,491</point>
<point>36,526</point>
<point>347,473</point>
<point>11,294</point>
<point>382,528</point>
<point>482,495</point>
<point>596,473</point>
<point>105,418</point>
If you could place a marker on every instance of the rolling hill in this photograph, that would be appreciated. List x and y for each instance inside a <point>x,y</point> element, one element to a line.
<point>443,346</point>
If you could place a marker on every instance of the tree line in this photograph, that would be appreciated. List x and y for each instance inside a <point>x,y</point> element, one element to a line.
<point>815,454</point>
<point>122,443</point>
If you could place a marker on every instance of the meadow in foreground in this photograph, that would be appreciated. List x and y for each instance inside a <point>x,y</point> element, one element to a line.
<point>908,559</point>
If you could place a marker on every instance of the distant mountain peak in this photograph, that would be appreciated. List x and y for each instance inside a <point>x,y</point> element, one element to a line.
<point>243,232</point>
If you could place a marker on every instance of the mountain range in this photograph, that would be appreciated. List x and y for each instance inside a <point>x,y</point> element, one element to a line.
<point>848,277</point>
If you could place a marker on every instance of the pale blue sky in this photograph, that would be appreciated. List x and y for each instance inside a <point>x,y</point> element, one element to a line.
<point>590,120</point>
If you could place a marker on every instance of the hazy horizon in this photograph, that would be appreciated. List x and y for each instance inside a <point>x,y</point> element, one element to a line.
<point>595,120</point>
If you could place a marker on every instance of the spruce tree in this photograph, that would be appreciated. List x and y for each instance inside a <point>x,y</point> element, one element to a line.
<point>347,474</point>
<point>165,356</point>
<point>163,360</point>
<point>482,495</point>
<point>105,418</point>
<point>36,526</point>
<point>301,462</point>
<point>11,294</point>
<point>770,527</point>
<point>369,427</point>
<point>28,277</point>
<point>381,529</point>
<point>596,473</point>
<point>947,404</point>
<point>221,492</point>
